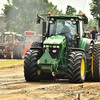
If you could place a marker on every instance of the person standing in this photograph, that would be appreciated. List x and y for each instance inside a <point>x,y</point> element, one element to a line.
<point>93,33</point>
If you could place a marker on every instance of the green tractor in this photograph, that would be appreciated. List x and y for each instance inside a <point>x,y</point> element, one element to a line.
<point>64,49</point>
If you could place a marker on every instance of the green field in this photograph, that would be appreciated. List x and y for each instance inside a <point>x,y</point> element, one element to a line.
<point>11,62</point>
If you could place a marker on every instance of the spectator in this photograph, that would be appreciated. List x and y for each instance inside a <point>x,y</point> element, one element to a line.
<point>93,33</point>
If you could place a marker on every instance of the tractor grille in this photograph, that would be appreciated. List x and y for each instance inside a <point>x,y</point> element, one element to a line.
<point>55,52</point>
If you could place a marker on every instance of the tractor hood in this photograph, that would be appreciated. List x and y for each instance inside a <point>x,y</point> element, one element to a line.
<point>55,40</point>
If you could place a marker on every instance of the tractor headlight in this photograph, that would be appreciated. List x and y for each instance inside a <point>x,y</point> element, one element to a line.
<point>54,46</point>
<point>58,46</point>
<point>43,46</point>
<point>54,51</point>
<point>47,46</point>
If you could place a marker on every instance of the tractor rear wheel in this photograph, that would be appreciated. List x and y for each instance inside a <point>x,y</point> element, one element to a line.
<point>95,62</point>
<point>11,55</point>
<point>76,67</point>
<point>89,73</point>
<point>31,72</point>
<point>18,52</point>
<point>1,56</point>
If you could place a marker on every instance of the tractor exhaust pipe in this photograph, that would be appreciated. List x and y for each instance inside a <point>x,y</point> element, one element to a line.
<point>43,31</point>
<point>43,26</point>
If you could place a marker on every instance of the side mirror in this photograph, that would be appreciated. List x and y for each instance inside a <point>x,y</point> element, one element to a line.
<point>38,20</point>
<point>85,20</point>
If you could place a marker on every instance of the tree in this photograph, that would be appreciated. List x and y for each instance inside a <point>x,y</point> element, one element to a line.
<point>70,10</point>
<point>95,8</point>
<point>80,12</point>
<point>20,15</point>
<point>92,23</point>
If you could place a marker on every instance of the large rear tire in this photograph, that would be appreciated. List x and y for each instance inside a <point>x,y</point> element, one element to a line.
<point>18,52</point>
<point>89,73</point>
<point>1,56</point>
<point>95,62</point>
<point>10,55</point>
<point>31,72</point>
<point>76,67</point>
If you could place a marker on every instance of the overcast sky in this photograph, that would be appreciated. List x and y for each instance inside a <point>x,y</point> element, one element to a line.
<point>62,4</point>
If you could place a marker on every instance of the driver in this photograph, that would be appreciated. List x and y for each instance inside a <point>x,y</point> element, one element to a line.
<point>65,29</point>
<point>66,32</point>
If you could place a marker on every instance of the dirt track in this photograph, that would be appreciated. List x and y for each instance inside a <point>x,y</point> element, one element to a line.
<point>14,87</point>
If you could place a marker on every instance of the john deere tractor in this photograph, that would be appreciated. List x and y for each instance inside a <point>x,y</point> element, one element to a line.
<point>64,49</point>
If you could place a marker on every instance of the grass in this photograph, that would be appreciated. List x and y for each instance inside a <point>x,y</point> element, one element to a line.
<point>11,62</point>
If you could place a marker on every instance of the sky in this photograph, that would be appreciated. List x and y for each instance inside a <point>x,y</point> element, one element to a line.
<point>82,5</point>
<point>1,4</point>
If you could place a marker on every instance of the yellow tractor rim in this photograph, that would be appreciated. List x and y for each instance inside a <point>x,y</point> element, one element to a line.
<point>82,67</point>
<point>38,72</point>
<point>92,63</point>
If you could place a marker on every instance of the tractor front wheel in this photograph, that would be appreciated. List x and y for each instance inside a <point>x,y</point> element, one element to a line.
<point>89,73</point>
<point>10,55</point>
<point>76,67</point>
<point>31,72</point>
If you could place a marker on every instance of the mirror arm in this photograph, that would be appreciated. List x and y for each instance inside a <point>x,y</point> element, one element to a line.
<point>41,18</point>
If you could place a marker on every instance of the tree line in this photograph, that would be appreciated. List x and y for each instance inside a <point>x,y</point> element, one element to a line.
<point>20,15</point>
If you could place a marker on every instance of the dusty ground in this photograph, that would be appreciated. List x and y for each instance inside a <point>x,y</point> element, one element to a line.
<point>14,87</point>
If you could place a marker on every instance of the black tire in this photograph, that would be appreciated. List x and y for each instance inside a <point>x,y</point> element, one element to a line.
<point>30,65</point>
<point>96,62</point>
<point>89,73</point>
<point>1,56</point>
<point>74,67</point>
<point>18,52</point>
<point>10,55</point>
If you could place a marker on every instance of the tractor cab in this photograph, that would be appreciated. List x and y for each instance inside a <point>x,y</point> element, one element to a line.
<point>8,37</point>
<point>70,27</point>
<point>9,44</point>
<point>64,27</point>
<point>29,38</point>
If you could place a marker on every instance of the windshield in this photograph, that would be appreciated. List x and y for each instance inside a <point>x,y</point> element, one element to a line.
<point>7,39</point>
<point>29,39</point>
<point>33,39</point>
<point>62,26</point>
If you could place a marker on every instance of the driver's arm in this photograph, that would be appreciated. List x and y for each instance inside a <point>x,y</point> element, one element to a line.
<point>91,36</point>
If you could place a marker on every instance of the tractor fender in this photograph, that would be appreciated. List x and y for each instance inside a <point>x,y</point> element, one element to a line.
<point>37,45</point>
<point>88,42</point>
<point>85,44</point>
<point>38,48</point>
<point>77,49</point>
